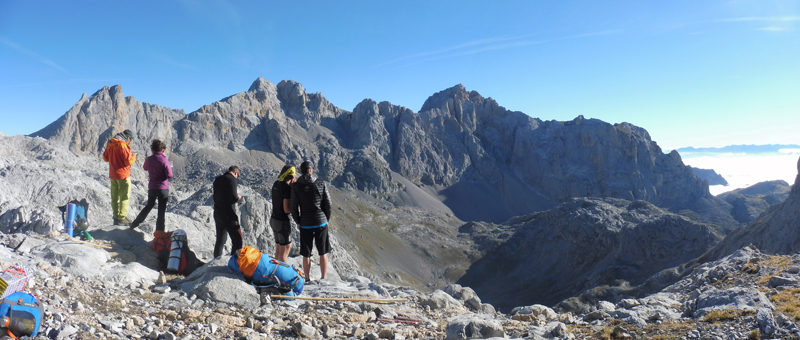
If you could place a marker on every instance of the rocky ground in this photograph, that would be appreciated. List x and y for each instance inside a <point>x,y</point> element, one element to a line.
<point>90,293</point>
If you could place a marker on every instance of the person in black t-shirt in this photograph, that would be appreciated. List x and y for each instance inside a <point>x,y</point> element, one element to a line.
<point>279,221</point>
<point>225,217</point>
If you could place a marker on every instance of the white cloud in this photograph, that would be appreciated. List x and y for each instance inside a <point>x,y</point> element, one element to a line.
<point>774,29</point>
<point>468,44</point>
<point>38,57</point>
<point>167,60</point>
<point>762,19</point>
<point>743,170</point>
<point>484,45</point>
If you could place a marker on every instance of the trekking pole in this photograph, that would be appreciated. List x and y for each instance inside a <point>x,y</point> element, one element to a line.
<point>335,299</point>
<point>92,244</point>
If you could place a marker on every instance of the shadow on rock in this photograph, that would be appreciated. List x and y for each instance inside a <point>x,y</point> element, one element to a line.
<point>129,246</point>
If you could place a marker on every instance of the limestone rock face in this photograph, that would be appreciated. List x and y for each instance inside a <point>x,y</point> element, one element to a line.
<point>93,120</point>
<point>584,243</point>
<point>736,298</point>
<point>540,164</point>
<point>228,123</point>
<point>710,175</point>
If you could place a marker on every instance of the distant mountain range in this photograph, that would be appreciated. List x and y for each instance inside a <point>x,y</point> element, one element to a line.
<point>740,149</point>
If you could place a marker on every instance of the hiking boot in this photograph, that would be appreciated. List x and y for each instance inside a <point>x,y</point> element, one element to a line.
<point>124,222</point>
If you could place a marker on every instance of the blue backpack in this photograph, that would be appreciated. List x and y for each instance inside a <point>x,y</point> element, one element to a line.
<point>263,271</point>
<point>81,214</point>
<point>21,313</point>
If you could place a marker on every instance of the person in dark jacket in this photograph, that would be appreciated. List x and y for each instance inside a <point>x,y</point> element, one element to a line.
<point>225,217</point>
<point>311,209</point>
<point>160,171</point>
<point>279,220</point>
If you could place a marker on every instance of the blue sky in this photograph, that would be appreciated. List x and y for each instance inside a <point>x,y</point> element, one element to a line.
<point>693,73</point>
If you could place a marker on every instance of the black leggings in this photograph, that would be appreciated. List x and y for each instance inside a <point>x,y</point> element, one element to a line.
<point>227,224</point>
<point>152,195</point>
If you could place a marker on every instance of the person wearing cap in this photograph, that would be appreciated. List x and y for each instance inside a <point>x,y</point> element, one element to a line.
<point>159,171</point>
<point>310,205</point>
<point>120,158</point>
<point>225,217</point>
<point>279,220</point>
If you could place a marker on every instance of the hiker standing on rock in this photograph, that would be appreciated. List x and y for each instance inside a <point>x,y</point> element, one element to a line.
<point>225,218</point>
<point>120,158</point>
<point>279,220</point>
<point>311,209</point>
<point>160,171</point>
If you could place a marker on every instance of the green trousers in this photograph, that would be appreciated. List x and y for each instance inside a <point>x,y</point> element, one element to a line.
<point>120,197</point>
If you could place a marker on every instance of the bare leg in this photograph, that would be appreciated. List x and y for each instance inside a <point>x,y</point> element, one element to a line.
<point>323,264</point>
<point>286,250</point>
<point>307,267</point>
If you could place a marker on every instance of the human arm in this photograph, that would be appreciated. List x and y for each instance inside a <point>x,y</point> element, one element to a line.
<point>326,202</point>
<point>106,154</point>
<point>234,193</point>
<point>294,203</point>
<point>287,195</point>
<point>169,169</point>
<point>129,156</point>
<point>286,207</point>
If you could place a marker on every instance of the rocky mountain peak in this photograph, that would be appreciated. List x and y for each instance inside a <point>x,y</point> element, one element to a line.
<point>306,108</point>
<point>88,125</point>
<point>261,85</point>
<point>291,90</point>
<point>441,98</point>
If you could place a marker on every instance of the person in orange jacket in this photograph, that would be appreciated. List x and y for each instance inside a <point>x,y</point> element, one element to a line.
<point>120,158</point>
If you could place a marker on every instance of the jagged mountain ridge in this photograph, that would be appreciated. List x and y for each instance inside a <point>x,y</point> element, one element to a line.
<point>480,160</point>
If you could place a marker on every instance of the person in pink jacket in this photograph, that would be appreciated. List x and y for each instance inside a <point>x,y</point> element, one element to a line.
<point>160,171</point>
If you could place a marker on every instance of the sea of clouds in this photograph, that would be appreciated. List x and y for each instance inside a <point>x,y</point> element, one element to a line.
<point>742,170</point>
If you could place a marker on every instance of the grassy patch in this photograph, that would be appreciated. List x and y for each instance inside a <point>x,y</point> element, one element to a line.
<point>776,262</point>
<point>787,302</point>
<point>725,315</point>
<point>673,329</point>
